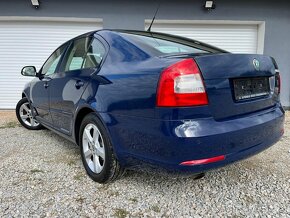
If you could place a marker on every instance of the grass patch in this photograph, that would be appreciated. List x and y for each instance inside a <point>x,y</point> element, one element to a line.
<point>12,124</point>
<point>155,208</point>
<point>104,187</point>
<point>114,193</point>
<point>71,162</point>
<point>133,200</point>
<point>80,200</point>
<point>36,171</point>
<point>121,213</point>
<point>78,177</point>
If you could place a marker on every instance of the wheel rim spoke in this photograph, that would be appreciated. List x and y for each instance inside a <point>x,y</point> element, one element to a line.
<point>100,151</point>
<point>25,107</point>
<point>97,164</point>
<point>95,134</point>
<point>32,122</point>
<point>88,154</point>
<point>24,116</point>
<point>91,165</point>
<point>88,135</point>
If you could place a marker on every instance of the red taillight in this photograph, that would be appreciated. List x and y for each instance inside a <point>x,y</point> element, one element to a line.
<point>181,85</point>
<point>203,161</point>
<point>277,82</point>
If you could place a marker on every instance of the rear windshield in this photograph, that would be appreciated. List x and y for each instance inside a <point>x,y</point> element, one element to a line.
<point>169,45</point>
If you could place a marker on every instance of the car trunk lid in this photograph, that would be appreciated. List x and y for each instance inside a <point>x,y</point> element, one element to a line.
<point>238,84</point>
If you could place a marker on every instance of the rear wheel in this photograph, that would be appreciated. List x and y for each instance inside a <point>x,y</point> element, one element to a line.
<point>25,117</point>
<point>97,152</point>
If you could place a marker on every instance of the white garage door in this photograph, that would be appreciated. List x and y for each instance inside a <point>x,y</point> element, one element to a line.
<point>30,43</point>
<point>236,38</point>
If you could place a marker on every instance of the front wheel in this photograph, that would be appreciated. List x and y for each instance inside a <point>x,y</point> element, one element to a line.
<point>25,117</point>
<point>97,152</point>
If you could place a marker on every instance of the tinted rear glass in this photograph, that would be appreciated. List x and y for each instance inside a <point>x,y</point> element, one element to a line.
<point>162,46</point>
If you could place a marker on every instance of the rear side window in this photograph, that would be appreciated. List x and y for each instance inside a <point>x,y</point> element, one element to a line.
<point>94,55</point>
<point>84,53</point>
<point>76,54</point>
<point>162,46</point>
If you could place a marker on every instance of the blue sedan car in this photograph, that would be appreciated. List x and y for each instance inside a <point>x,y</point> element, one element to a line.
<point>143,99</point>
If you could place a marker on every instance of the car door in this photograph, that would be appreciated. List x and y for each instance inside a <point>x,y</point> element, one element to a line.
<point>39,91</point>
<point>82,59</point>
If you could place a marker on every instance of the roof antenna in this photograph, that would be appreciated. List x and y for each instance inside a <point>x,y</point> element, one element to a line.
<point>149,29</point>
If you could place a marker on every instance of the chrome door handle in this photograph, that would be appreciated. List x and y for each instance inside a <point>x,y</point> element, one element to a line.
<point>46,80</point>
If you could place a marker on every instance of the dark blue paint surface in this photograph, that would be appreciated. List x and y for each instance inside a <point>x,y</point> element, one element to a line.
<point>123,94</point>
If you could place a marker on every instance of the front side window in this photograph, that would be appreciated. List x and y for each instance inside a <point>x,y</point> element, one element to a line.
<point>50,65</point>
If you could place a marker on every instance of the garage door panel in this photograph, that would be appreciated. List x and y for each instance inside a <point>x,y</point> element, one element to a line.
<point>30,43</point>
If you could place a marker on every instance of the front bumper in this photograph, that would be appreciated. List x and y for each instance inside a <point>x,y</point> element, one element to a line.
<point>169,143</point>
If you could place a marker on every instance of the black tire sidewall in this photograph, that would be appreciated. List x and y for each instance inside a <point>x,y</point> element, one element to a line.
<point>19,104</point>
<point>105,174</point>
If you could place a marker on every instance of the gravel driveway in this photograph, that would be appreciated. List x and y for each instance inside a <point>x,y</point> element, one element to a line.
<point>41,174</point>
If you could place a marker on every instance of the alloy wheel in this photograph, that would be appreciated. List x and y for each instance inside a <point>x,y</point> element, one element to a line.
<point>93,148</point>
<point>26,115</point>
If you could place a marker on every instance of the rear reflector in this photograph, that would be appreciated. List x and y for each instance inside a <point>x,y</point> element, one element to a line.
<point>181,85</point>
<point>203,161</point>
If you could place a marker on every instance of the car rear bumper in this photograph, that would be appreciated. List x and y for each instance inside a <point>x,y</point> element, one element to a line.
<point>168,143</point>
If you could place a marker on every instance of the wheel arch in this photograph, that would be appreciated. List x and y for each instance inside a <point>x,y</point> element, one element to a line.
<point>78,120</point>
<point>26,91</point>
<point>80,115</point>
<point>25,95</point>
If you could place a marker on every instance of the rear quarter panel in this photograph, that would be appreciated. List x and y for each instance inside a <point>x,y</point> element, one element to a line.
<point>132,76</point>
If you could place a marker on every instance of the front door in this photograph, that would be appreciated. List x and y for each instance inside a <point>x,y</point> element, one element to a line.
<point>40,87</point>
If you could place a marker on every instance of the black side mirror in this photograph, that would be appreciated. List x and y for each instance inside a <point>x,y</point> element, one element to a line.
<point>29,71</point>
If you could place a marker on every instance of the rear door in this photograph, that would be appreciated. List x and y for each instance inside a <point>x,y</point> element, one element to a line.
<point>82,58</point>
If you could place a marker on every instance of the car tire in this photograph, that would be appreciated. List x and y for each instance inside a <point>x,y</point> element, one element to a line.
<point>97,153</point>
<point>25,117</point>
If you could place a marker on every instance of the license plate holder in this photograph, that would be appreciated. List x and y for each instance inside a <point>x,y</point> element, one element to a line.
<point>249,88</point>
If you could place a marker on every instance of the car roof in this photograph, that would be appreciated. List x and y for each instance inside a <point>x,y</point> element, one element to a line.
<point>160,35</point>
<point>165,36</point>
